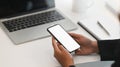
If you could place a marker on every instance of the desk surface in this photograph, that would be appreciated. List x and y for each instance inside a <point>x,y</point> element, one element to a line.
<point>39,53</point>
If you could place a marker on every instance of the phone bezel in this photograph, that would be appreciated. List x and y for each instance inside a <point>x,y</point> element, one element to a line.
<point>58,40</point>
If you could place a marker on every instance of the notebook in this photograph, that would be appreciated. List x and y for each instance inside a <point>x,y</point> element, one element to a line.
<point>113,6</point>
<point>92,27</point>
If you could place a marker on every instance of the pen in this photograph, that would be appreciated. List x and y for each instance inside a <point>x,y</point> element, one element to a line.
<point>103,27</point>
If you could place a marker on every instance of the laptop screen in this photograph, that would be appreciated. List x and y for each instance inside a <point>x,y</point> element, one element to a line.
<point>10,8</point>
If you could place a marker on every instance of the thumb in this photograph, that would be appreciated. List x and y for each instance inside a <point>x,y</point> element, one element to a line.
<point>62,48</point>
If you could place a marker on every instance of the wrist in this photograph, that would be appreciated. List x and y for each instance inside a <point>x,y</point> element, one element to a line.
<point>68,64</point>
<point>95,47</point>
<point>72,66</point>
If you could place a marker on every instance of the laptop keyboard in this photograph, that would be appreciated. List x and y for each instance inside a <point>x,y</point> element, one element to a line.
<point>33,20</point>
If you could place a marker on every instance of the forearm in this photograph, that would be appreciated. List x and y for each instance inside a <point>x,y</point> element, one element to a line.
<point>107,49</point>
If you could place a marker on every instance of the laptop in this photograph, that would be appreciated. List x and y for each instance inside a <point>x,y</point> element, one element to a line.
<point>96,64</point>
<point>27,20</point>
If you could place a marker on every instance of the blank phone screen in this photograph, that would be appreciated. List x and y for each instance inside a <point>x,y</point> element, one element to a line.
<point>64,38</point>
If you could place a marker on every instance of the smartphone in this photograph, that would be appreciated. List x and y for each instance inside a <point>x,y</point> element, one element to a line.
<point>63,38</point>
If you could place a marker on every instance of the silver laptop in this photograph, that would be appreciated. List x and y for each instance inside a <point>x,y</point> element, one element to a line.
<point>96,64</point>
<point>26,20</point>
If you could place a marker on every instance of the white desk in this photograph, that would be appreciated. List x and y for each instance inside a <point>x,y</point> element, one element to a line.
<point>39,53</point>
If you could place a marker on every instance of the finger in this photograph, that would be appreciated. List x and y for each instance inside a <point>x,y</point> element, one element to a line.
<point>55,45</point>
<point>62,48</point>
<point>74,35</point>
<point>58,43</point>
<point>78,52</point>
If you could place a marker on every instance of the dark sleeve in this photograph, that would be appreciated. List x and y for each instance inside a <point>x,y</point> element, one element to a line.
<point>109,49</point>
<point>116,64</point>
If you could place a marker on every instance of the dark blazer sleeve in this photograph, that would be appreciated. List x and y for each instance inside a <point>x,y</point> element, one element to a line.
<point>109,49</point>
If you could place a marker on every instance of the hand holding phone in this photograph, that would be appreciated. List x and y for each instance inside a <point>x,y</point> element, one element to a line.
<point>63,38</point>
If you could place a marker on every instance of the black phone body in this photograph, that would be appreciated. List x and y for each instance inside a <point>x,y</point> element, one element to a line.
<point>63,37</point>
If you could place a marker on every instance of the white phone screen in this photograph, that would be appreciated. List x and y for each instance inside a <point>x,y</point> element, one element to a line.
<point>64,38</point>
